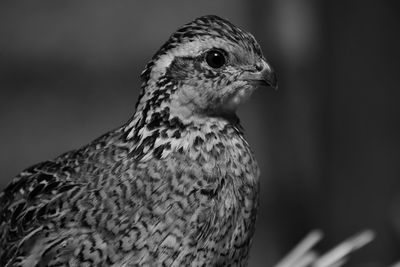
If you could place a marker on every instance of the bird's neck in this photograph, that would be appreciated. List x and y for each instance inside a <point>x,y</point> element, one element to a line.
<point>159,128</point>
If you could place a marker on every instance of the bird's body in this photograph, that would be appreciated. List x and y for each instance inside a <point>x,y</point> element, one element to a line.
<point>175,186</point>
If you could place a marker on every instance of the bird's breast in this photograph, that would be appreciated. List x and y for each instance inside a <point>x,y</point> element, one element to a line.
<point>202,191</point>
<point>225,172</point>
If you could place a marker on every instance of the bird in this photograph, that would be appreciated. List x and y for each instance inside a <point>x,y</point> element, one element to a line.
<point>176,185</point>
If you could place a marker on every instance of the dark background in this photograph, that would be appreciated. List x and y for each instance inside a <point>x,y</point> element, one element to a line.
<point>327,142</point>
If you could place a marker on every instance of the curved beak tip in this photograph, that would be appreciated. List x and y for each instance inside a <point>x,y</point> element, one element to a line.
<point>273,80</point>
<point>269,76</point>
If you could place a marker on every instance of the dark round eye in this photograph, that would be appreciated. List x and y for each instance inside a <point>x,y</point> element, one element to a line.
<point>215,59</point>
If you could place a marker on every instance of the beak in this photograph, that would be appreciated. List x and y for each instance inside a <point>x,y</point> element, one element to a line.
<point>264,75</point>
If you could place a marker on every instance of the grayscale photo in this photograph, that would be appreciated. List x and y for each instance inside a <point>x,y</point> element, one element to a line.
<point>199,133</point>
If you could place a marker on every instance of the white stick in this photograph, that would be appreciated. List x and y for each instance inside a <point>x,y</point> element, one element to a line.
<point>344,249</point>
<point>301,250</point>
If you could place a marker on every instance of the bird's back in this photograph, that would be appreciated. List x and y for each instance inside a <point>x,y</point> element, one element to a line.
<point>40,208</point>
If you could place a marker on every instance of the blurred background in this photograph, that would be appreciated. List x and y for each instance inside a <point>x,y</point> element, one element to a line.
<point>327,141</point>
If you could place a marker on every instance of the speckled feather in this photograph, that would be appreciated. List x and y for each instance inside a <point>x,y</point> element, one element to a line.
<point>177,185</point>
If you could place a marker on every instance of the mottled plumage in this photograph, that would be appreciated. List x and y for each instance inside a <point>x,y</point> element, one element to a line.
<point>177,185</point>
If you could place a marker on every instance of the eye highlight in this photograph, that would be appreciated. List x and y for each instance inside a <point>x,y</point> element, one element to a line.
<point>215,58</point>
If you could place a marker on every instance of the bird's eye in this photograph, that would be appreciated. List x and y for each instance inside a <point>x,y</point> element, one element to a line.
<point>215,59</point>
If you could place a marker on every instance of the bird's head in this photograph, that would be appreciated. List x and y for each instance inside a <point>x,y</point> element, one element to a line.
<point>193,85</point>
<point>207,67</point>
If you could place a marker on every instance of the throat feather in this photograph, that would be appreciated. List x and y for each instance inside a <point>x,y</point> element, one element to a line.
<point>163,135</point>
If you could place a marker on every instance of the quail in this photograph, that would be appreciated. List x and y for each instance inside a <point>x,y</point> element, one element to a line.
<point>177,185</point>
